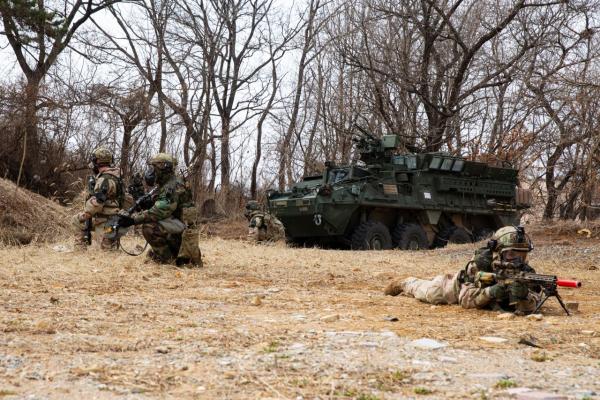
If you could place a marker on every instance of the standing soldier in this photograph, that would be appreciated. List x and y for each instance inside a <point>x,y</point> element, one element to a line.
<point>262,225</point>
<point>104,197</point>
<point>169,225</point>
<point>508,245</point>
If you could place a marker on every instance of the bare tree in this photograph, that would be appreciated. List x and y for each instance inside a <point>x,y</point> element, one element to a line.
<point>37,34</point>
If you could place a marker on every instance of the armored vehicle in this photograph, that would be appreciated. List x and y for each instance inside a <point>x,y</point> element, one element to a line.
<point>407,201</point>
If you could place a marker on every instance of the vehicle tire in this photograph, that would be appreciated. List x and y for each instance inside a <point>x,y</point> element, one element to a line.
<point>371,235</point>
<point>410,237</point>
<point>451,234</point>
<point>460,236</point>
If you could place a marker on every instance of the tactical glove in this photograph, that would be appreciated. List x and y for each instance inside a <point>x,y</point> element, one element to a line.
<point>498,291</point>
<point>125,221</point>
<point>517,291</point>
<point>146,204</point>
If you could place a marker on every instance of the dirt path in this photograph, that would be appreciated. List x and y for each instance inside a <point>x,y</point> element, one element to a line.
<point>274,322</point>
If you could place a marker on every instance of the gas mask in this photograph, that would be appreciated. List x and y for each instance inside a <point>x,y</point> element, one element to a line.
<point>150,176</point>
<point>514,257</point>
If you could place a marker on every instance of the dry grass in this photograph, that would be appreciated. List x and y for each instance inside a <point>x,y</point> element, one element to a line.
<point>27,217</point>
<point>88,324</point>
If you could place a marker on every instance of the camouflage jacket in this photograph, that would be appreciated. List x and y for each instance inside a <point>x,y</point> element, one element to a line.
<point>172,197</point>
<point>265,226</point>
<point>108,185</point>
<point>473,294</point>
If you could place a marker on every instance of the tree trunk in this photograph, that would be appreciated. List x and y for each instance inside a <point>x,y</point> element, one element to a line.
<point>31,141</point>
<point>163,125</point>
<point>125,149</point>
<point>225,163</point>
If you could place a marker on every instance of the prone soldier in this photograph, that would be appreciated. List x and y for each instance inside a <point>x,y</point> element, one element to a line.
<point>262,226</point>
<point>508,245</point>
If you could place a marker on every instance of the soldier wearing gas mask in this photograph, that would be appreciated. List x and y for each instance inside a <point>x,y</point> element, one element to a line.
<point>169,223</point>
<point>509,246</point>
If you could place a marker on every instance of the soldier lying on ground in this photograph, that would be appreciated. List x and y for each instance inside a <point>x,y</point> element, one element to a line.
<point>104,197</point>
<point>508,244</point>
<point>169,225</point>
<point>262,226</point>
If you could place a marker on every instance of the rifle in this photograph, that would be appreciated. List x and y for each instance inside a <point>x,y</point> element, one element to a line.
<point>111,229</point>
<point>88,222</point>
<point>88,231</point>
<point>546,284</point>
<point>136,186</point>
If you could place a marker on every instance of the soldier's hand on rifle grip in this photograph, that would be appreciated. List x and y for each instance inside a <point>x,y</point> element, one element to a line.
<point>498,291</point>
<point>517,291</point>
<point>125,221</point>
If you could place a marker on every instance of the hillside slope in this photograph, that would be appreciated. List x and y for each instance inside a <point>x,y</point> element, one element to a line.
<point>26,216</point>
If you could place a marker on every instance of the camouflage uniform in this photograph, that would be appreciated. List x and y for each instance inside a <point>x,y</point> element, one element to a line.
<point>104,198</point>
<point>263,226</point>
<point>169,225</point>
<point>465,289</point>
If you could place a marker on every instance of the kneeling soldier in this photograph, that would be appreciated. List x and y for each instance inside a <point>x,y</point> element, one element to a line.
<point>104,198</point>
<point>169,225</point>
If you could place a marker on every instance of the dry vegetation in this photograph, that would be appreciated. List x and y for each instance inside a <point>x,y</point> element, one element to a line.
<point>276,322</point>
<point>27,217</point>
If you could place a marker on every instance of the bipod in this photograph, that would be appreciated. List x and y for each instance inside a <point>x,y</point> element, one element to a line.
<point>551,292</point>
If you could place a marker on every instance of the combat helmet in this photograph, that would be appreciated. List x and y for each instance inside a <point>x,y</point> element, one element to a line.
<point>102,157</point>
<point>510,238</point>
<point>163,161</point>
<point>252,205</point>
<point>161,167</point>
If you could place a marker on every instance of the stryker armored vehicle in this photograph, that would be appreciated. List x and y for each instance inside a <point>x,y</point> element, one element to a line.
<point>406,201</point>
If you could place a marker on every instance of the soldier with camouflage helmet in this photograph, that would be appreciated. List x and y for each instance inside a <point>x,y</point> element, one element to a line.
<point>169,225</point>
<point>262,226</point>
<point>104,198</point>
<point>508,244</point>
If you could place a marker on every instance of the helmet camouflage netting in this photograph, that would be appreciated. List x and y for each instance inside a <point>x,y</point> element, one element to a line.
<point>102,156</point>
<point>163,161</point>
<point>510,238</point>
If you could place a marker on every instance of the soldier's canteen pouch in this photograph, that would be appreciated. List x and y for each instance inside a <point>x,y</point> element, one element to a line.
<point>172,225</point>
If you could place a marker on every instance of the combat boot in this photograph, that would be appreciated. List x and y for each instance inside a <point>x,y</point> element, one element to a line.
<point>80,244</point>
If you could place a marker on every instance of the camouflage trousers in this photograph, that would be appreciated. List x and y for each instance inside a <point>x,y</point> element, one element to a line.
<point>264,234</point>
<point>447,289</point>
<point>179,248</point>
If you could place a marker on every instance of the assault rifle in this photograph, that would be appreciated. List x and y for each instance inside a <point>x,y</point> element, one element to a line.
<point>136,186</point>
<point>111,228</point>
<point>88,222</point>
<point>88,231</point>
<point>546,285</point>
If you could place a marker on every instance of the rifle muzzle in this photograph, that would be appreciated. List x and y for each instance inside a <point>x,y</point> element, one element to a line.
<point>568,283</point>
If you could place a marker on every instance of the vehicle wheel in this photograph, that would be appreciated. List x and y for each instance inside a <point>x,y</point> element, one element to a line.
<point>410,237</point>
<point>371,235</point>
<point>452,234</point>
<point>460,236</point>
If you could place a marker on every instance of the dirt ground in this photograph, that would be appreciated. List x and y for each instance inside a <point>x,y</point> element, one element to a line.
<point>262,322</point>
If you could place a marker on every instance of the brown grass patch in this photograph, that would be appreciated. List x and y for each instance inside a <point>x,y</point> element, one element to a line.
<point>27,217</point>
